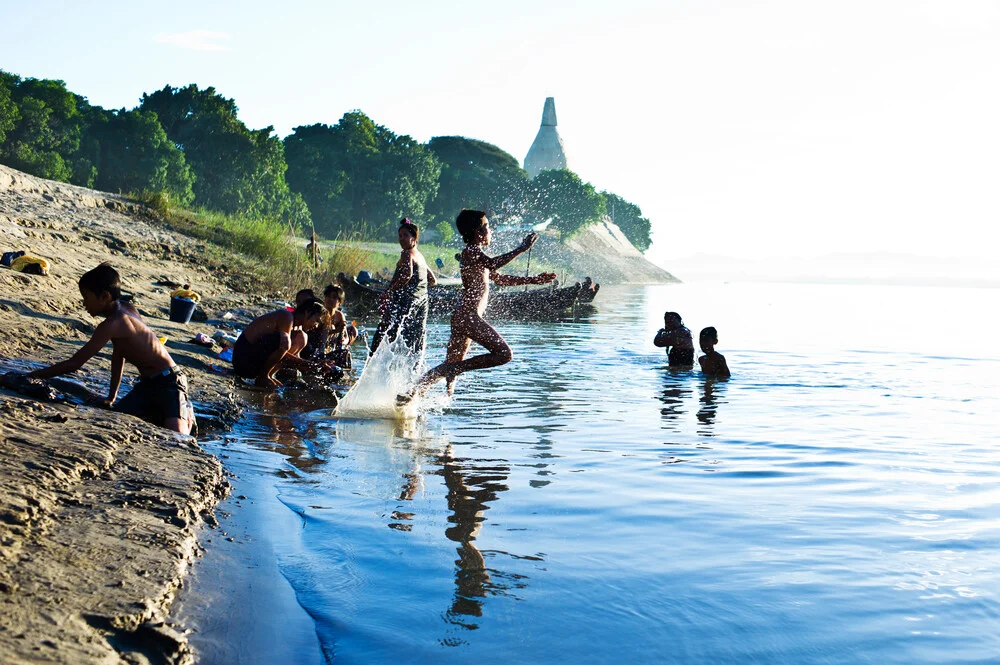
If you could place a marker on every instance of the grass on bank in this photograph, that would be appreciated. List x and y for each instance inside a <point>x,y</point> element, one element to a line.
<point>279,260</point>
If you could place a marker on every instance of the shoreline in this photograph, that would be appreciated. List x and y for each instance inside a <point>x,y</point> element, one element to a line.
<point>101,513</point>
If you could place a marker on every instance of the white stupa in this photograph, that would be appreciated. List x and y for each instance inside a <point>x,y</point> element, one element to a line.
<point>548,151</point>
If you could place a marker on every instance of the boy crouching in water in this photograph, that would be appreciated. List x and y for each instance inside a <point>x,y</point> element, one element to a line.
<point>275,340</point>
<point>467,323</point>
<point>161,396</point>
<point>713,363</point>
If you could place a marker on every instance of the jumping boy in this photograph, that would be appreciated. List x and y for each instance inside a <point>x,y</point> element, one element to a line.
<point>274,340</point>
<point>676,338</point>
<point>712,363</point>
<point>161,396</point>
<point>467,323</point>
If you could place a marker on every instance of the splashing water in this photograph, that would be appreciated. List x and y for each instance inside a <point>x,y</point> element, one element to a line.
<point>391,371</point>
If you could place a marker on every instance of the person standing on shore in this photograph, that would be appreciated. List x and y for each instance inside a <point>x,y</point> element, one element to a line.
<point>467,322</point>
<point>406,302</point>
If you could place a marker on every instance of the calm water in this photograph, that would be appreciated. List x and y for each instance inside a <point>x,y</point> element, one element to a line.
<point>836,501</point>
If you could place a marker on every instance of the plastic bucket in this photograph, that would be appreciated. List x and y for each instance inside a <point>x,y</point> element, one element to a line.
<point>181,309</point>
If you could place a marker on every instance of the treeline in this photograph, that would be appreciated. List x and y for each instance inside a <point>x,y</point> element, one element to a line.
<point>355,177</point>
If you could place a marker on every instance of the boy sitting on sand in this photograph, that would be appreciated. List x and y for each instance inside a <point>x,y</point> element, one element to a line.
<point>676,339</point>
<point>467,323</point>
<point>161,396</point>
<point>273,341</point>
<point>712,363</point>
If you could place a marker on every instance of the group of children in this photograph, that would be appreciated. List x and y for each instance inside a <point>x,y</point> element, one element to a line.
<point>315,336</point>
<point>676,339</point>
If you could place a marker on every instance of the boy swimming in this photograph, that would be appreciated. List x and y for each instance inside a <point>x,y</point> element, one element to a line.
<point>467,323</point>
<point>712,363</point>
<point>274,340</point>
<point>676,339</point>
<point>161,396</point>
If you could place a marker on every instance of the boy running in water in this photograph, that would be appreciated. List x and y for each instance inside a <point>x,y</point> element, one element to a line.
<point>467,323</point>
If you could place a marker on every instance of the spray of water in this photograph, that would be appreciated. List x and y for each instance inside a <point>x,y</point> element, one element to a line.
<point>391,371</point>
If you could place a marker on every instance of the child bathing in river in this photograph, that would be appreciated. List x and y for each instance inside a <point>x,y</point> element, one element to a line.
<point>713,363</point>
<point>275,340</point>
<point>467,323</point>
<point>676,338</point>
<point>161,396</point>
<point>406,302</point>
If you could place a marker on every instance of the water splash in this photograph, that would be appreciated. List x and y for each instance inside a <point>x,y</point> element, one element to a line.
<point>391,371</point>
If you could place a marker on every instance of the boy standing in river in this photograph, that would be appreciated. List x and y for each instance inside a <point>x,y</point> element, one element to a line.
<point>467,323</point>
<point>676,338</point>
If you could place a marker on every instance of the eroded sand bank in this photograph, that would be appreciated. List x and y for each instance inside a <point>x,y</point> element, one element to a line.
<point>98,511</point>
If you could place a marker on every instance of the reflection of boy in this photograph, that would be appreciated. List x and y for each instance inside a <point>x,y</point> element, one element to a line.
<point>161,396</point>
<point>712,363</point>
<point>676,339</point>
<point>467,323</point>
<point>275,340</point>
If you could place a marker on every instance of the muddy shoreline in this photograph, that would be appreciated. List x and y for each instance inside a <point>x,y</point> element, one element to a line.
<point>100,512</point>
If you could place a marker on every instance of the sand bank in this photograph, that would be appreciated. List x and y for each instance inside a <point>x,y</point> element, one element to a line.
<point>98,511</point>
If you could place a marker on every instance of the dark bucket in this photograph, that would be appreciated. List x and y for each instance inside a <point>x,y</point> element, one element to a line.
<point>181,310</point>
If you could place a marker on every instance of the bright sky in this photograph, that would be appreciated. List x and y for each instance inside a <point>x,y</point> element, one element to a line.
<point>745,128</point>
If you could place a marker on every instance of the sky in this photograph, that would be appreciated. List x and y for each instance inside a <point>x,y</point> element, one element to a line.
<point>742,128</point>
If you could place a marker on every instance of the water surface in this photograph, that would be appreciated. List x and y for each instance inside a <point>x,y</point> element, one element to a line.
<point>836,501</point>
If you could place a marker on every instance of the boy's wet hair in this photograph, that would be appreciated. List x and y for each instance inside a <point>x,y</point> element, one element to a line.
<point>469,222</point>
<point>709,333</point>
<point>100,279</point>
<point>307,309</point>
<point>304,294</point>
<point>335,291</point>
<point>410,227</point>
<point>673,316</point>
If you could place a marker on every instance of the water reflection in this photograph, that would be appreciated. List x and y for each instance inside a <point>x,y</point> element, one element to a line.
<point>713,394</point>
<point>676,390</point>
<point>470,489</point>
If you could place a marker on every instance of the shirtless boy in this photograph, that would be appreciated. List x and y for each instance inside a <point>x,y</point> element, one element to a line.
<point>712,363</point>
<point>407,303</point>
<point>273,341</point>
<point>676,338</point>
<point>161,396</point>
<point>467,323</point>
<point>333,331</point>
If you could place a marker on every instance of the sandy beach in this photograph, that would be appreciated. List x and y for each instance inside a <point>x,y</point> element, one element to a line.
<point>98,511</point>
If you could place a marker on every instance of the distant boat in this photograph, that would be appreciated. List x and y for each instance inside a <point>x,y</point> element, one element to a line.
<point>543,304</point>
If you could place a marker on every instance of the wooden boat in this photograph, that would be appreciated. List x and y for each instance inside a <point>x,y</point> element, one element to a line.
<point>509,303</point>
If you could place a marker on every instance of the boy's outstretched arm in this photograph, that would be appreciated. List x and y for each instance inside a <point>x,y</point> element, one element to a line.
<point>497,262</point>
<point>101,337</point>
<point>514,280</point>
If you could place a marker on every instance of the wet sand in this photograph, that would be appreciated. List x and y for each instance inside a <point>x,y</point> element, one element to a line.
<point>100,512</point>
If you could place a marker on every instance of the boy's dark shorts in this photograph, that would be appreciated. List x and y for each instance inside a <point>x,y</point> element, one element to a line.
<point>158,398</point>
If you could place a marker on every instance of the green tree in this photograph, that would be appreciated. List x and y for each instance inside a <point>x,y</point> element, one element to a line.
<point>628,217</point>
<point>9,114</point>
<point>571,203</point>
<point>44,130</point>
<point>477,175</point>
<point>236,169</point>
<point>137,156</point>
<point>360,175</point>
